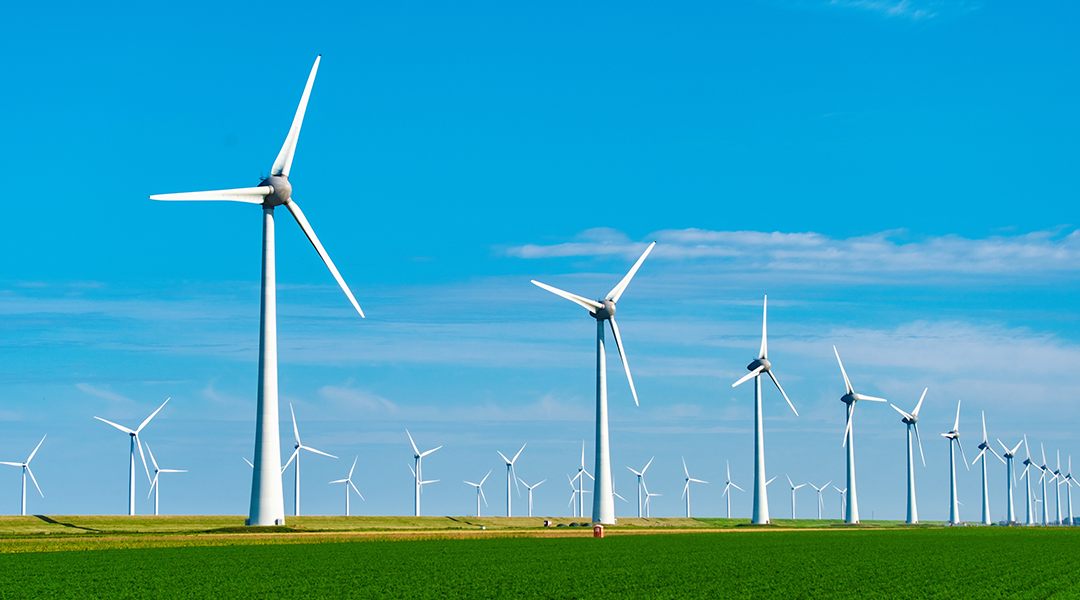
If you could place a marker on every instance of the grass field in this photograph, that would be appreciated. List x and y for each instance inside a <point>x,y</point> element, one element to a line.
<point>357,561</point>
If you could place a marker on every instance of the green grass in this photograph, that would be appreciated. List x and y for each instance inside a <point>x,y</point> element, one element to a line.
<point>839,563</point>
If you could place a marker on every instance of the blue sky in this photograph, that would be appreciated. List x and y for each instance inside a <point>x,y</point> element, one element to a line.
<point>897,176</point>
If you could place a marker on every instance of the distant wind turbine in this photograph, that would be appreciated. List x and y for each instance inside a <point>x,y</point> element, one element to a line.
<point>530,488</point>
<point>417,474</point>
<point>510,474</point>
<point>480,492</point>
<point>954,436</point>
<point>727,489</point>
<point>984,447</point>
<point>1010,476</point>
<point>580,478</point>
<point>1057,488</point>
<point>686,488</point>
<point>843,500</point>
<point>793,488</point>
<point>820,501</point>
<point>134,433</point>
<point>604,310</point>
<point>912,421</point>
<point>1042,479</point>
<point>297,447</point>
<point>850,398</point>
<point>1029,519</point>
<point>155,485</point>
<point>349,483</point>
<point>26,470</point>
<point>640,482</point>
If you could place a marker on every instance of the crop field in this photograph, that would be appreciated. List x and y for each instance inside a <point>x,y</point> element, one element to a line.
<point>702,561</point>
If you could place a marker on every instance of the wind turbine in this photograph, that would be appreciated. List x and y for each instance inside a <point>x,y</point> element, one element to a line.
<point>511,474</point>
<point>1010,477</point>
<point>582,474</point>
<point>1057,488</point>
<point>134,433</point>
<point>1029,519</point>
<point>530,488</point>
<point>850,398</point>
<point>349,483</point>
<point>820,501</point>
<point>1042,480</point>
<point>1068,490</point>
<point>686,488</point>
<point>954,435</point>
<point>417,475</point>
<point>297,447</point>
<point>267,502</point>
<point>577,484</point>
<point>604,310</point>
<point>641,482</point>
<point>155,486</point>
<point>843,500</point>
<point>26,469</point>
<point>761,365</point>
<point>480,492</point>
<point>727,489</point>
<point>648,497</point>
<point>793,488</point>
<point>984,446</point>
<point>911,420</point>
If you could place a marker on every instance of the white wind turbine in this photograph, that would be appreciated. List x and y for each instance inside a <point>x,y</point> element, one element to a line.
<point>686,488</point>
<point>1029,518</point>
<point>793,488</point>
<point>604,310</point>
<point>761,365</point>
<point>26,469</point>
<point>1010,477</point>
<point>1042,479</point>
<point>985,446</point>
<point>267,502</point>
<point>1057,488</point>
<point>843,500</point>
<point>1069,478</point>
<point>511,474</point>
<point>641,482</point>
<point>418,476</point>
<point>135,441</point>
<point>480,492</point>
<point>155,485</point>
<point>297,447</point>
<point>850,398</point>
<point>954,436</point>
<point>530,488</point>
<point>349,483</point>
<point>580,478</point>
<point>911,420</point>
<point>727,489</point>
<point>648,497</point>
<point>820,501</point>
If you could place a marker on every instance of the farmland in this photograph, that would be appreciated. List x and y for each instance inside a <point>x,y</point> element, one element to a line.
<point>377,562</point>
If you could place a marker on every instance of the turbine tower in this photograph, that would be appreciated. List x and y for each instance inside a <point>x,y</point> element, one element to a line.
<point>1029,518</point>
<point>349,483</point>
<point>911,420</point>
<point>761,365</point>
<point>530,488</point>
<point>604,310</point>
<point>850,398</point>
<point>1068,490</point>
<point>820,500</point>
<point>640,483</point>
<point>793,488</point>
<point>985,446</point>
<point>510,474</point>
<point>686,488</point>
<point>954,436</point>
<point>155,485</point>
<point>480,492</point>
<point>26,469</point>
<point>418,477</point>
<point>1057,488</point>
<point>1042,480</point>
<point>1010,477</point>
<point>134,433</point>
<point>267,503</point>
<point>727,489</point>
<point>297,447</point>
<point>843,500</point>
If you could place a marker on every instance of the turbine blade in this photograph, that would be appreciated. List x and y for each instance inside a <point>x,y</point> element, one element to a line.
<point>847,428</point>
<point>906,416</point>
<point>353,486</point>
<point>410,470</point>
<point>346,481</point>
<point>251,195</point>
<point>353,467</point>
<point>429,452</point>
<point>984,425</point>
<point>296,432</point>
<point>962,452</point>
<point>152,415</point>
<point>285,157</point>
<point>634,472</point>
<point>617,291</point>
<point>647,466</point>
<point>847,381</point>
<point>415,450</point>
<point>684,467</point>
<point>770,481</point>
<point>507,460</point>
<point>980,455</point>
<point>152,484</point>
<point>589,305</point>
<point>685,489</point>
<point>915,413</point>
<point>622,355</point>
<point>309,449</point>
<point>920,444</point>
<point>789,480</point>
<point>151,452</point>
<point>513,474</point>
<point>998,457</point>
<point>120,427</point>
<point>738,488</point>
<point>698,480</point>
<point>956,425</point>
<point>782,392</point>
<point>870,398</point>
<point>1006,448</point>
<point>138,442</point>
<point>32,478</point>
<point>518,453</point>
<point>248,462</point>
<point>764,352</point>
<point>43,440</point>
<point>748,376</point>
<point>294,208</point>
<point>288,462</point>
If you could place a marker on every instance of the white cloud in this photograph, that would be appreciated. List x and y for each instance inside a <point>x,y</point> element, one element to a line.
<point>915,10</point>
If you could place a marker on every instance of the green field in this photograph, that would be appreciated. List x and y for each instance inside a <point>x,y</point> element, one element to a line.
<point>701,562</point>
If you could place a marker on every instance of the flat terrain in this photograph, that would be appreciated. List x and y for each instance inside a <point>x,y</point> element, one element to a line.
<point>442,557</point>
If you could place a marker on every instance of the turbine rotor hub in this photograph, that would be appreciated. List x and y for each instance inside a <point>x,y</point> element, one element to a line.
<point>606,312</point>
<point>759,362</point>
<point>848,399</point>
<point>282,190</point>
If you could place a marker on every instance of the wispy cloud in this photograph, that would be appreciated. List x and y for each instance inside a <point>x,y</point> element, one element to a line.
<point>914,10</point>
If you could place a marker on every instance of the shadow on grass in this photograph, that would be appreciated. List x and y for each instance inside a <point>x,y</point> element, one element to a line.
<point>54,522</point>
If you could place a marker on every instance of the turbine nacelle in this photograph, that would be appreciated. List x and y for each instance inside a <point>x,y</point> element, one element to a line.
<point>280,190</point>
<point>849,399</point>
<point>606,310</point>
<point>762,363</point>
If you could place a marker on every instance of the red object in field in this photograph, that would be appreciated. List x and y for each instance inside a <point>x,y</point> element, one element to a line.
<point>598,531</point>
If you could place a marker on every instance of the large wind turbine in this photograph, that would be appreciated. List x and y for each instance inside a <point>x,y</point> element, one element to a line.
<point>511,474</point>
<point>349,483</point>
<point>686,488</point>
<point>820,500</point>
<point>911,420</point>
<point>641,482</point>
<point>155,486</point>
<point>1068,490</point>
<point>135,441</point>
<point>850,398</point>
<point>954,436</point>
<point>297,447</point>
<point>604,310</point>
<point>417,475</point>
<point>26,469</point>
<point>727,489</point>
<point>1057,488</point>
<point>530,488</point>
<point>793,488</point>
<point>1042,479</point>
<point>1029,518</point>
<point>1010,477</point>
<point>761,365</point>
<point>985,446</point>
<point>480,492</point>
<point>267,503</point>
